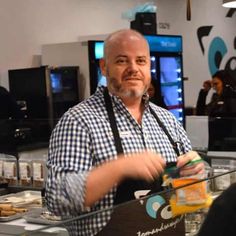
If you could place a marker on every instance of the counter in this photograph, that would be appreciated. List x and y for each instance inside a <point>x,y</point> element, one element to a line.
<point>21,226</point>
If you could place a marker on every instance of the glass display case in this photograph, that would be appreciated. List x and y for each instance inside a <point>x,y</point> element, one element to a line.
<point>147,215</point>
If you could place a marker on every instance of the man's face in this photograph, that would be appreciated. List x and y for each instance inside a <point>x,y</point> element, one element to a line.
<point>127,67</point>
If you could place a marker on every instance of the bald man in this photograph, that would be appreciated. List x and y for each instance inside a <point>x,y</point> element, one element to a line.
<point>111,145</point>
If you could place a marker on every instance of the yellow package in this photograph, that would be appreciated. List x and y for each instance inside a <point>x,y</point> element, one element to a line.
<point>190,198</point>
<point>183,209</point>
<point>192,194</point>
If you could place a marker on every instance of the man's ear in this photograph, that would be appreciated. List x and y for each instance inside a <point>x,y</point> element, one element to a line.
<point>102,65</point>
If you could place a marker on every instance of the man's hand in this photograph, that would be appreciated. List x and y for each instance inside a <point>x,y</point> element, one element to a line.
<point>146,165</point>
<point>198,168</point>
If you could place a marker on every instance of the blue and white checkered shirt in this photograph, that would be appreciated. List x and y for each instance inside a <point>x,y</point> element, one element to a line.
<point>83,139</point>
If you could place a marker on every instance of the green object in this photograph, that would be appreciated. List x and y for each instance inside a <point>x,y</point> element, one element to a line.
<point>174,170</point>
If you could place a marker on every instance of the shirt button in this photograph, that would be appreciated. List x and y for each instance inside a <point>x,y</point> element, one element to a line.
<point>146,136</point>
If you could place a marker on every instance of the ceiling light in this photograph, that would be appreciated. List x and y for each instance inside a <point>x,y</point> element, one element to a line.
<point>229,3</point>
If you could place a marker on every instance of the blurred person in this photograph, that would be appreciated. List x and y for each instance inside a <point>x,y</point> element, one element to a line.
<point>221,217</point>
<point>9,108</point>
<point>201,102</point>
<point>111,145</point>
<point>155,95</point>
<point>223,102</point>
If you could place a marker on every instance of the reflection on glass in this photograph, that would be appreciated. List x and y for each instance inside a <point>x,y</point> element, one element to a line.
<point>146,216</point>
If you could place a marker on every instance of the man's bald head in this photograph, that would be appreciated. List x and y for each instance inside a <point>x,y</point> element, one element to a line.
<point>126,64</point>
<point>124,35</point>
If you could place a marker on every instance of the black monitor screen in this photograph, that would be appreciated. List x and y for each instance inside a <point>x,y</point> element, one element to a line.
<point>222,134</point>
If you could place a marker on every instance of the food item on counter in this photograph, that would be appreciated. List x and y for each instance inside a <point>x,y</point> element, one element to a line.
<point>6,207</point>
<point>9,210</point>
<point>19,210</point>
<point>23,200</point>
<point>12,199</point>
<point>7,213</point>
<point>49,216</point>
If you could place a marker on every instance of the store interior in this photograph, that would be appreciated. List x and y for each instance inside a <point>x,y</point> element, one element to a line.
<point>50,52</point>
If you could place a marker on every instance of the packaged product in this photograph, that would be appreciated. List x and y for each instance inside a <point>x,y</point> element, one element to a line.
<point>25,173</point>
<point>10,170</point>
<point>38,177</point>
<point>189,194</point>
<point>39,172</point>
<point>33,167</point>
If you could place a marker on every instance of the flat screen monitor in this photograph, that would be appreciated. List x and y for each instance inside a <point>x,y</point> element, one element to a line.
<point>29,85</point>
<point>56,82</point>
<point>95,51</point>
<point>222,136</point>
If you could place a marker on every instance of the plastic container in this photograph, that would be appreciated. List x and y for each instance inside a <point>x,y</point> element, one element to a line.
<point>38,174</point>
<point>39,171</point>
<point>221,182</point>
<point>32,166</point>
<point>10,170</point>
<point>25,173</point>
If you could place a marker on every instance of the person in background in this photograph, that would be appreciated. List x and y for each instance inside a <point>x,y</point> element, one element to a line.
<point>201,102</point>
<point>221,217</point>
<point>223,102</point>
<point>9,109</point>
<point>155,95</point>
<point>111,145</point>
<point>10,116</point>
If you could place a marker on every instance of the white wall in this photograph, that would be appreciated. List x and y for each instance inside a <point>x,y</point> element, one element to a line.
<point>28,24</point>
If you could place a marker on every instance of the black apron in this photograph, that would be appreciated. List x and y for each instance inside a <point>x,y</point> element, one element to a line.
<point>125,190</point>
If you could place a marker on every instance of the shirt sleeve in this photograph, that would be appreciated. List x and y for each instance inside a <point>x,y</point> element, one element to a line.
<point>69,162</point>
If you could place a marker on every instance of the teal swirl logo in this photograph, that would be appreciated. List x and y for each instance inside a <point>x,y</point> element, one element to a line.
<point>218,50</point>
<point>216,53</point>
<point>156,207</point>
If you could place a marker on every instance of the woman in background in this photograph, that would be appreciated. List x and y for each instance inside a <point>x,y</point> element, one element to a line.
<point>223,101</point>
<point>155,94</point>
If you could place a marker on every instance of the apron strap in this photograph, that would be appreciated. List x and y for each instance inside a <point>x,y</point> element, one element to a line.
<point>112,120</point>
<point>115,131</point>
<point>174,144</point>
